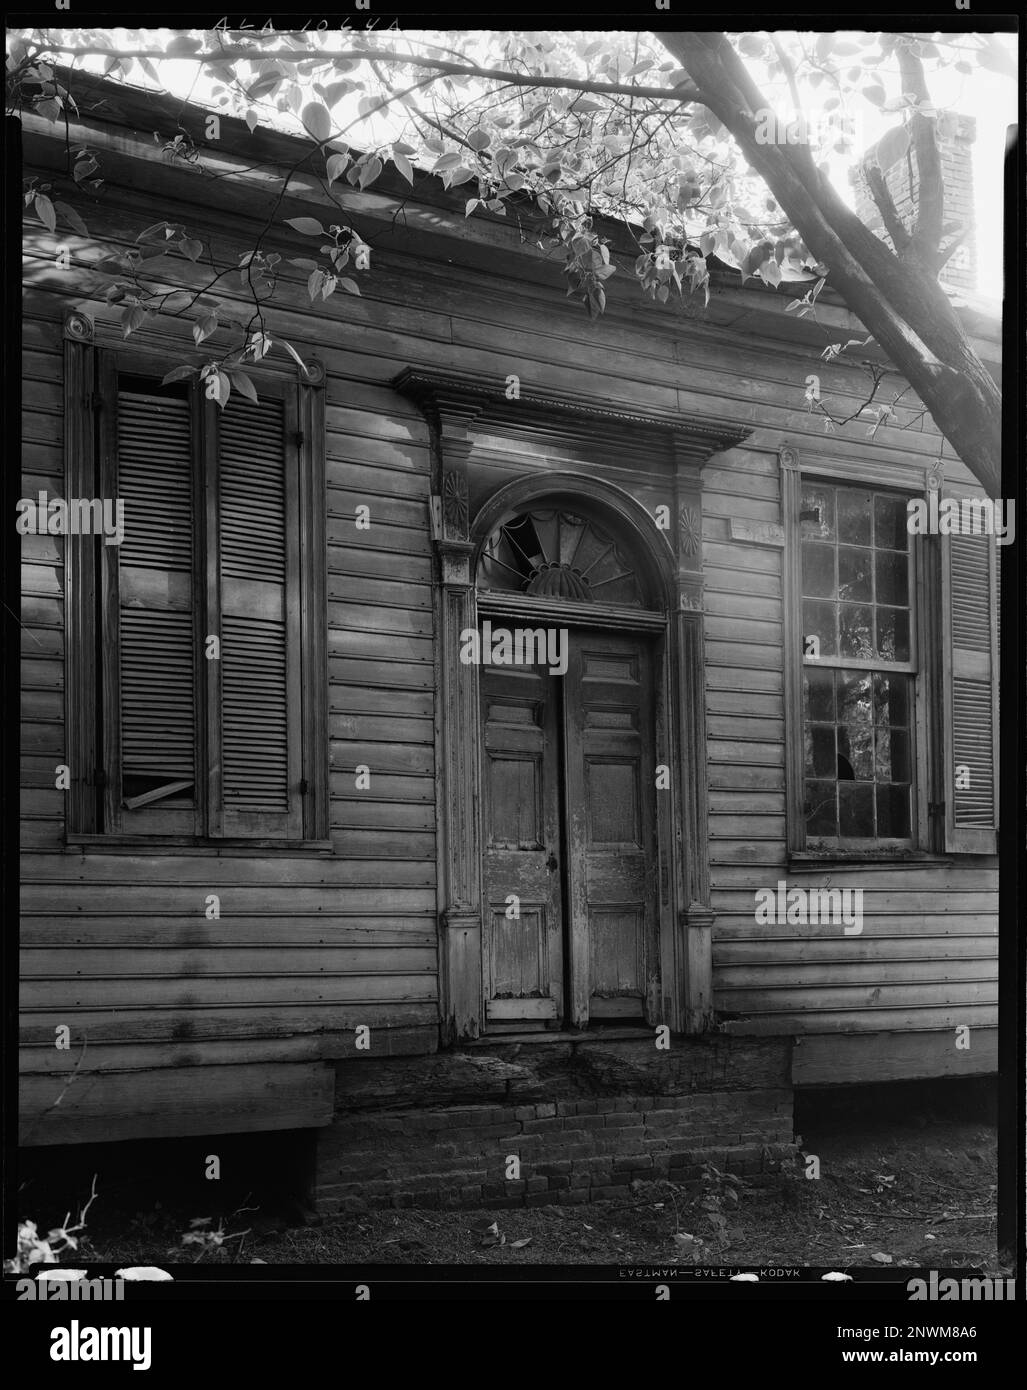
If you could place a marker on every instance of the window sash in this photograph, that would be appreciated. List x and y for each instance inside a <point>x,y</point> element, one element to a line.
<point>797,662</point>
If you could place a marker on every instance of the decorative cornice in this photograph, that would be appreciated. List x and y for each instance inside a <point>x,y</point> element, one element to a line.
<point>485,398</point>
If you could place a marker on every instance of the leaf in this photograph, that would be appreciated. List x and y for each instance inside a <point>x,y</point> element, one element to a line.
<point>182,45</point>
<point>708,243</point>
<point>204,327</point>
<point>244,385</point>
<point>881,1258</point>
<point>191,248</point>
<point>45,212</point>
<point>178,374</point>
<point>252,119</point>
<point>294,355</point>
<point>370,171</point>
<point>445,161</point>
<point>330,281</point>
<point>479,139</point>
<point>150,232</point>
<point>264,85</point>
<point>892,145</point>
<point>335,91</point>
<point>520,1244</point>
<point>403,164</point>
<point>72,218</point>
<point>471,204</point>
<point>335,165</point>
<point>350,285</point>
<point>770,271</point>
<point>318,120</point>
<point>315,280</point>
<point>460,175</point>
<point>309,226</point>
<point>303,263</point>
<point>224,390</point>
<point>131,319</point>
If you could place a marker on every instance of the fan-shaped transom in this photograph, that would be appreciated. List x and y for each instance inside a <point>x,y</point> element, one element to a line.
<point>555,553</point>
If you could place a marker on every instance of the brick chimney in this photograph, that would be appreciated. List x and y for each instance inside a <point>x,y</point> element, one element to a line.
<point>956,135</point>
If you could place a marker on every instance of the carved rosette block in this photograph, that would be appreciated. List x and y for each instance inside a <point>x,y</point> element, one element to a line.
<point>312,373</point>
<point>689,530</point>
<point>454,505</point>
<point>78,326</point>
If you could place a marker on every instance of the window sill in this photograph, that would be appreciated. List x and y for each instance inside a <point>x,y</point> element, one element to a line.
<point>826,859</point>
<point>183,844</point>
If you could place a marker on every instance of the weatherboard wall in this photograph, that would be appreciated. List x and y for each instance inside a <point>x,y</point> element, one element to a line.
<point>309,946</point>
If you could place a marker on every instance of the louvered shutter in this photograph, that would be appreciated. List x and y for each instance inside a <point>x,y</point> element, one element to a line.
<point>970,683</point>
<point>260,713</point>
<point>156,639</point>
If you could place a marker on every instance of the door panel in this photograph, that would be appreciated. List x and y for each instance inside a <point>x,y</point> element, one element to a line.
<point>611,824</point>
<point>593,914</point>
<point>523,942</point>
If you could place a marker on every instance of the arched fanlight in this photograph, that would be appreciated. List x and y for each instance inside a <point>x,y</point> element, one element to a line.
<point>556,554</point>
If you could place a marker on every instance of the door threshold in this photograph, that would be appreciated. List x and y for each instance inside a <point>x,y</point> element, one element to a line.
<point>603,1032</point>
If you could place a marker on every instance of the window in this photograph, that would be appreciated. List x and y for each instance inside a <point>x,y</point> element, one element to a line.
<point>198,642</point>
<point>859,666</point>
<point>891,672</point>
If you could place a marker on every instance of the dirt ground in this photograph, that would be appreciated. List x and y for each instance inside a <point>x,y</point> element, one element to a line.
<point>911,1188</point>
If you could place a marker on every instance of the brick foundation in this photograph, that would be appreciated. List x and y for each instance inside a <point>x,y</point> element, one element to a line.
<point>585,1119</point>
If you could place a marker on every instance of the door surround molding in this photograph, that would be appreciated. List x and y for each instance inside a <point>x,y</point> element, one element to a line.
<point>671,560</point>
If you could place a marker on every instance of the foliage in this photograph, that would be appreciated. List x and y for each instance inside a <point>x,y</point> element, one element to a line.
<point>49,1250</point>
<point>558,131</point>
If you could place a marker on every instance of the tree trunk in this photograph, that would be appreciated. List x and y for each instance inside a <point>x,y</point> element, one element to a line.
<point>902,306</point>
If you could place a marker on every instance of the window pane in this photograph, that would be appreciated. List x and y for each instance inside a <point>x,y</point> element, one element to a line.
<point>891,699</point>
<point>855,753</point>
<point>855,622</point>
<point>854,516</point>
<point>854,571</point>
<point>816,511</point>
<point>818,570</point>
<point>892,578</point>
<point>820,755</point>
<point>892,634</point>
<point>854,697</point>
<point>818,692</point>
<point>891,763</point>
<point>890,522</point>
<point>818,621</point>
<point>821,813</point>
<point>893,812</point>
<point>856,810</point>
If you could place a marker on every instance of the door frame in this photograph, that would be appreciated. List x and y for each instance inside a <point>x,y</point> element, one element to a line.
<point>680,988</point>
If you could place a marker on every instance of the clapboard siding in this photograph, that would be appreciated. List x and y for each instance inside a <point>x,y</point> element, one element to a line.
<point>926,958</point>
<point>310,945</point>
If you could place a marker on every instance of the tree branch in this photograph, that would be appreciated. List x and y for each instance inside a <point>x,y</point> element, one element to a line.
<point>930,202</point>
<point>881,195</point>
<point>445,69</point>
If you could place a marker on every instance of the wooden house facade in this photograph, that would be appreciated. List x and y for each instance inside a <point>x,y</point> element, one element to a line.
<point>355,858</point>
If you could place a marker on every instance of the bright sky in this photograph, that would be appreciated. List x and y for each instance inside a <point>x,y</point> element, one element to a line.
<point>986,95</point>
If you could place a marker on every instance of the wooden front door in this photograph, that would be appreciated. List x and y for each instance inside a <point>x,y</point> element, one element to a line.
<point>570,837</point>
